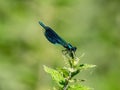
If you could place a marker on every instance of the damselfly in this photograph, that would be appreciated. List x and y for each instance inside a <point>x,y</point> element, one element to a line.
<point>54,38</point>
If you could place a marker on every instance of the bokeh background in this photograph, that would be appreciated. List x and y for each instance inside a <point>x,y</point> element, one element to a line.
<point>91,25</point>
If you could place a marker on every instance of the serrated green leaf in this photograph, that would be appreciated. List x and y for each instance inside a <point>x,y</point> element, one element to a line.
<point>56,76</point>
<point>64,71</point>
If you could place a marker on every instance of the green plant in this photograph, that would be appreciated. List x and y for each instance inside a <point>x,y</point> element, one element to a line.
<point>65,76</point>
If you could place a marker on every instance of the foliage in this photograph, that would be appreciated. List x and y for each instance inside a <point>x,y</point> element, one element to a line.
<point>65,76</point>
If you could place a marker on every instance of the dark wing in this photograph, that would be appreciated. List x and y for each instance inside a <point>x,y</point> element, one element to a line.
<point>53,37</point>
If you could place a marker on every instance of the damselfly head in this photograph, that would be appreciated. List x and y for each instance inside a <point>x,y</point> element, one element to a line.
<point>74,49</point>
<point>71,48</point>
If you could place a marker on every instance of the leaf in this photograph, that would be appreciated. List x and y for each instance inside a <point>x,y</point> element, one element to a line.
<point>79,87</point>
<point>56,76</point>
<point>64,71</point>
<point>86,66</point>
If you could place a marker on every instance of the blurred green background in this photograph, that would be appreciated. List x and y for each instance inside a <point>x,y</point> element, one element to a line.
<point>91,25</point>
